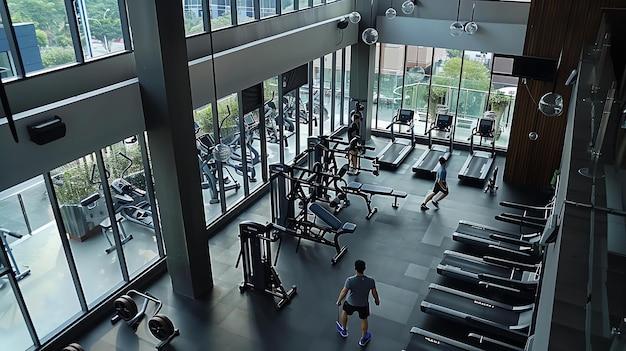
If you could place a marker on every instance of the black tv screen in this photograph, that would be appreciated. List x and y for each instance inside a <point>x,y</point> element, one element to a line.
<point>252,98</point>
<point>536,68</point>
<point>295,78</point>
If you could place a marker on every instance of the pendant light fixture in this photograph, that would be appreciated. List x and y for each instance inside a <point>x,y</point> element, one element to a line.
<point>471,27</point>
<point>391,12</point>
<point>408,7</point>
<point>456,28</point>
<point>370,34</point>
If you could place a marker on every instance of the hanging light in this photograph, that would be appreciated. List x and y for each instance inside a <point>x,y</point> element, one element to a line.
<point>391,13</point>
<point>370,36</point>
<point>551,104</point>
<point>471,27</point>
<point>355,17</point>
<point>456,28</point>
<point>408,7</point>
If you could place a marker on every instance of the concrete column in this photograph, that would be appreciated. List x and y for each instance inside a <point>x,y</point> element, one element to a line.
<point>161,59</point>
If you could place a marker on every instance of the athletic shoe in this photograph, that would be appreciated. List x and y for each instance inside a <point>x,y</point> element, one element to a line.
<point>436,203</point>
<point>367,339</point>
<point>342,332</point>
<point>423,207</point>
<point>351,171</point>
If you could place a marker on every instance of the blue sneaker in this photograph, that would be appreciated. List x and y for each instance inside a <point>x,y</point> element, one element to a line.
<point>342,332</point>
<point>367,339</point>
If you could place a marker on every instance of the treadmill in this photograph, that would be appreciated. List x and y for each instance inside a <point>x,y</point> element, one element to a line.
<point>478,163</point>
<point>491,273</point>
<point>428,163</point>
<point>510,322</point>
<point>424,340</point>
<point>398,149</point>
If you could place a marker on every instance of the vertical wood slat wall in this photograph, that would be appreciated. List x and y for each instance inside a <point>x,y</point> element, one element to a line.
<point>552,25</point>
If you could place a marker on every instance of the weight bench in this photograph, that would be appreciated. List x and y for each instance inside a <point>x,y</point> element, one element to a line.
<point>315,231</point>
<point>367,191</point>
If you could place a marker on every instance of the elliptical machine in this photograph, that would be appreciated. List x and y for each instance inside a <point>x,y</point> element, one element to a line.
<point>19,274</point>
<point>208,169</point>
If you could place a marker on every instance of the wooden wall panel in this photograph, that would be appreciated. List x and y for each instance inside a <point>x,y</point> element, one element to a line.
<point>556,28</point>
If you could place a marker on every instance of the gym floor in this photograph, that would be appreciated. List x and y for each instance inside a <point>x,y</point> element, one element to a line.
<point>401,247</point>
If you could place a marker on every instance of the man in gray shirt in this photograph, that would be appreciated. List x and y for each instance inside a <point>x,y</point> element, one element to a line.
<point>357,289</point>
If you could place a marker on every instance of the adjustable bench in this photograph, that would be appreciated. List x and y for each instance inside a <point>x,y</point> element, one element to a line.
<point>367,191</point>
<point>314,231</point>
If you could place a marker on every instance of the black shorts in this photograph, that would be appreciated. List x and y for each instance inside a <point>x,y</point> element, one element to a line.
<point>439,189</point>
<point>364,311</point>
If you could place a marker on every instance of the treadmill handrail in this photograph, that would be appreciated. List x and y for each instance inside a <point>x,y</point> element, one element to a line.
<point>490,228</point>
<point>510,263</point>
<point>511,240</point>
<point>484,339</point>
<point>436,338</point>
<point>467,318</point>
<point>488,285</point>
<point>526,207</point>
<point>515,283</point>
<point>479,299</point>
<point>480,260</point>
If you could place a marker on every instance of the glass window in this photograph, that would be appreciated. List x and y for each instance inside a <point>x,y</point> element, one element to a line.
<point>286,5</point>
<point>205,142</point>
<point>245,11</point>
<point>99,26</point>
<point>88,225</point>
<point>389,94</point>
<point>127,181</point>
<point>327,99</point>
<point>15,334</point>
<point>43,23</point>
<point>416,83</point>
<point>502,102</point>
<point>318,2</point>
<point>475,82</point>
<point>338,91</point>
<point>346,86</point>
<point>446,73</point>
<point>220,14</point>
<point>268,7</point>
<point>192,10</point>
<point>303,4</point>
<point>7,69</point>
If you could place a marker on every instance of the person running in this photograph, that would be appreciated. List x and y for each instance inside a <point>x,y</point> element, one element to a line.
<point>354,135</point>
<point>440,186</point>
<point>356,292</point>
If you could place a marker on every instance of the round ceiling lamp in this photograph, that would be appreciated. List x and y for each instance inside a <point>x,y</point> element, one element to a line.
<point>355,17</point>
<point>370,36</point>
<point>551,104</point>
<point>456,28</point>
<point>408,7</point>
<point>391,13</point>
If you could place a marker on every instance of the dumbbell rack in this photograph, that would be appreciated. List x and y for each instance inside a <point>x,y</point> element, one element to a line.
<point>160,326</point>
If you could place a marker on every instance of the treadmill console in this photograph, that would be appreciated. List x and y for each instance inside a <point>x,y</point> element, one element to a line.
<point>485,127</point>
<point>444,122</point>
<point>405,116</point>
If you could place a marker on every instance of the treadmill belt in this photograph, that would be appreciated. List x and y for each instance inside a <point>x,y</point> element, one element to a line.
<point>431,160</point>
<point>475,167</point>
<point>477,267</point>
<point>422,340</point>
<point>392,153</point>
<point>471,307</point>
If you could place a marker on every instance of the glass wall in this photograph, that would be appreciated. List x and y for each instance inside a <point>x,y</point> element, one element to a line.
<point>245,11</point>
<point>194,15</point>
<point>437,80</point>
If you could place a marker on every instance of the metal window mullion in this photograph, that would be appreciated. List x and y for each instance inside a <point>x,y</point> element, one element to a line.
<point>297,117</point>
<point>67,250</point>
<point>333,78</point>
<point>220,164</point>
<point>309,101</point>
<point>20,199</point>
<point>296,5</point>
<point>458,95</point>
<point>430,86</point>
<point>257,9</point>
<point>380,69</point>
<point>24,309</point>
<point>263,143</point>
<point>73,26</point>
<point>233,13</point>
<point>403,75</point>
<point>206,15</point>
<point>147,172</point>
<point>281,118</point>
<point>310,3</point>
<point>12,40</point>
<point>343,85</point>
<point>279,7</point>
<point>112,216</point>
<point>321,95</point>
<point>121,7</point>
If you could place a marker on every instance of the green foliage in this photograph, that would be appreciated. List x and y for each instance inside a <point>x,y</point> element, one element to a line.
<point>221,22</point>
<point>204,116</point>
<point>454,53</point>
<point>499,101</point>
<point>56,56</point>
<point>42,38</point>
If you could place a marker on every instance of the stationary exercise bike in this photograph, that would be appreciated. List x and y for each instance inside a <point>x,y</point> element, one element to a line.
<point>19,274</point>
<point>160,326</point>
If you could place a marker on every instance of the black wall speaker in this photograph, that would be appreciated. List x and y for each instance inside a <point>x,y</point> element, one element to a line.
<point>46,131</point>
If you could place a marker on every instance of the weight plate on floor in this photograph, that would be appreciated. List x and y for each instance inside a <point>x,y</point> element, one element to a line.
<point>160,326</point>
<point>125,307</point>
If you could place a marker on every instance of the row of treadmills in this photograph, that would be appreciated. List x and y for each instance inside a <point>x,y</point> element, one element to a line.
<point>490,287</point>
<point>477,165</point>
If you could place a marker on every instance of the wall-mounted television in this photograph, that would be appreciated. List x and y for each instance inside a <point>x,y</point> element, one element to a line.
<point>252,98</point>
<point>537,68</point>
<point>295,78</point>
